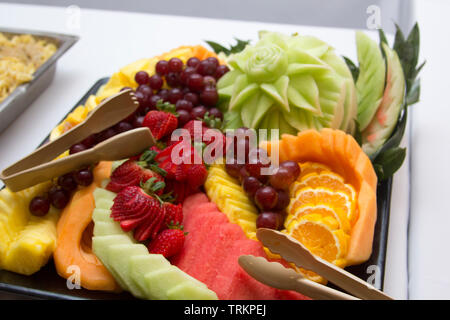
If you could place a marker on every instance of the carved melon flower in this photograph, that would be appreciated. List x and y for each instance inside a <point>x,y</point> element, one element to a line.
<point>290,83</point>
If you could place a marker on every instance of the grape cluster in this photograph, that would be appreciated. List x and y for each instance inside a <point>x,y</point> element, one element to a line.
<point>270,193</point>
<point>191,87</point>
<point>59,194</point>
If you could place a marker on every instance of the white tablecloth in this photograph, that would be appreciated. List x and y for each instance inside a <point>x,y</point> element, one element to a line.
<point>110,40</point>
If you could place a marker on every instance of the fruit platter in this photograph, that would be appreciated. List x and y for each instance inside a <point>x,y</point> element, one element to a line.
<point>282,134</point>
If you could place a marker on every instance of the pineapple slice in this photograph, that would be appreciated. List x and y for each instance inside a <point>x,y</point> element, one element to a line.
<point>231,199</point>
<point>26,241</point>
<point>33,246</point>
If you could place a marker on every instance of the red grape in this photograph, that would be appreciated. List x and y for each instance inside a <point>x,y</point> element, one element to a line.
<point>60,198</point>
<point>193,62</point>
<point>283,200</point>
<point>105,134</point>
<point>220,71</point>
<point>281,179</point>
<point>175,94</point>
<point>243,174</point>
<point>209,81</point>
<point>137,123</point>
<point>79,147</point>
<point>206,68</point>
<point>233,169</point>
<point>154,101</point>
<point>209,96</point>
<point>156,82</point>
<point>145,89</point>
<point>175,65</point>
<point>216,113</point>
<point>269,220</point>
<point>141,77</point>
<point>162,67</point>
<point>184,75</point>
<point>90,141</point>
<point>123,126</point>
<point>292,167</point>
<point>173,79</point>
<point>198,112</point>
<point>84,177</point>
<point>266,198</point>
<point>141,98</point>
<point>195,82</point>
<point>213,61</point>
<point>39,206</point>
<point>241,150</point>
<point>251,185</point>
<point>257,160</point>
<point>183,117</point>
<point>192,97</point>
<point>164,94</point>
<point>183,104</point>
<point>67,182</point>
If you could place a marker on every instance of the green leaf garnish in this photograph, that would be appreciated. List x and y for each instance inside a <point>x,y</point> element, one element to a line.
<point>389,162</point>
<point>353,68</point>
<point>238,47</point>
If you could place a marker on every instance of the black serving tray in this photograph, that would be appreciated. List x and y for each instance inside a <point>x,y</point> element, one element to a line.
<point>47,284</point>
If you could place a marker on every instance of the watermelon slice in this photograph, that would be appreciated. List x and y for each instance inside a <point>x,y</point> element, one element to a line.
<point>211,253</point>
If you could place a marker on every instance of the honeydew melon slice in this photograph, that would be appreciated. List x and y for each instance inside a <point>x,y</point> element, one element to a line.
<point>103,228</point>
<point>102,203</point>
<point>190,291</point>
<point>119,256</point>
<point>133,267</point>
<point>371,79</point>
<point>140,265</point>
<point>101,193</point>
<point>100,245</point>
<point>386,117</point>
<point>101,215</point>
<point>166,279</point>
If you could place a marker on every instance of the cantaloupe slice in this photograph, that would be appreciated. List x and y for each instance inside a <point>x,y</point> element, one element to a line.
<point>74,230</point>
<point>340,152</point>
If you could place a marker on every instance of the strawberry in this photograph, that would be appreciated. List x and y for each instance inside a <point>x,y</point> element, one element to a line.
<point>130,173</point>
<point>196,176</point>
<point>196,129</point>
<point>173,214</point>
<point>150,227</point>
<point>168,243</point>
<point>135,209</point>
<point>160,123</point>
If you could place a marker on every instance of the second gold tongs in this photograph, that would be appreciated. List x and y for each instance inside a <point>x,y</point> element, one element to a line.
<point>40,165</point>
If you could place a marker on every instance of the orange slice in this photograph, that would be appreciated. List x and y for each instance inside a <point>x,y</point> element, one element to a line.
<point>312,167</point>
<point>337,200</point>
<point>323,238</point>
<point>325,179</point>
<point>321,209</point>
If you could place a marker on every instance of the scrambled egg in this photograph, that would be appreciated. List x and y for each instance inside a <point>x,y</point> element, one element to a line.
<point>20,57</point>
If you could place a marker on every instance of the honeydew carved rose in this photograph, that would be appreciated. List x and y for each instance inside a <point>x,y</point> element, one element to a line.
<point>290,83</point>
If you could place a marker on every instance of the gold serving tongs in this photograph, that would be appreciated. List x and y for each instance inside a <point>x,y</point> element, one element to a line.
<point>276,275</point>
<point>40,165</point>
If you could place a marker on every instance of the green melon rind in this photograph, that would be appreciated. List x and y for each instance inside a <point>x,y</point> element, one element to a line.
<point>121,255</point>
<point>371,79</point>
<point>385,119</point>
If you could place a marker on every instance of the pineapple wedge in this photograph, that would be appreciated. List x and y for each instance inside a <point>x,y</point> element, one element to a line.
<point>26,241</point>
<point>231,199</point>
